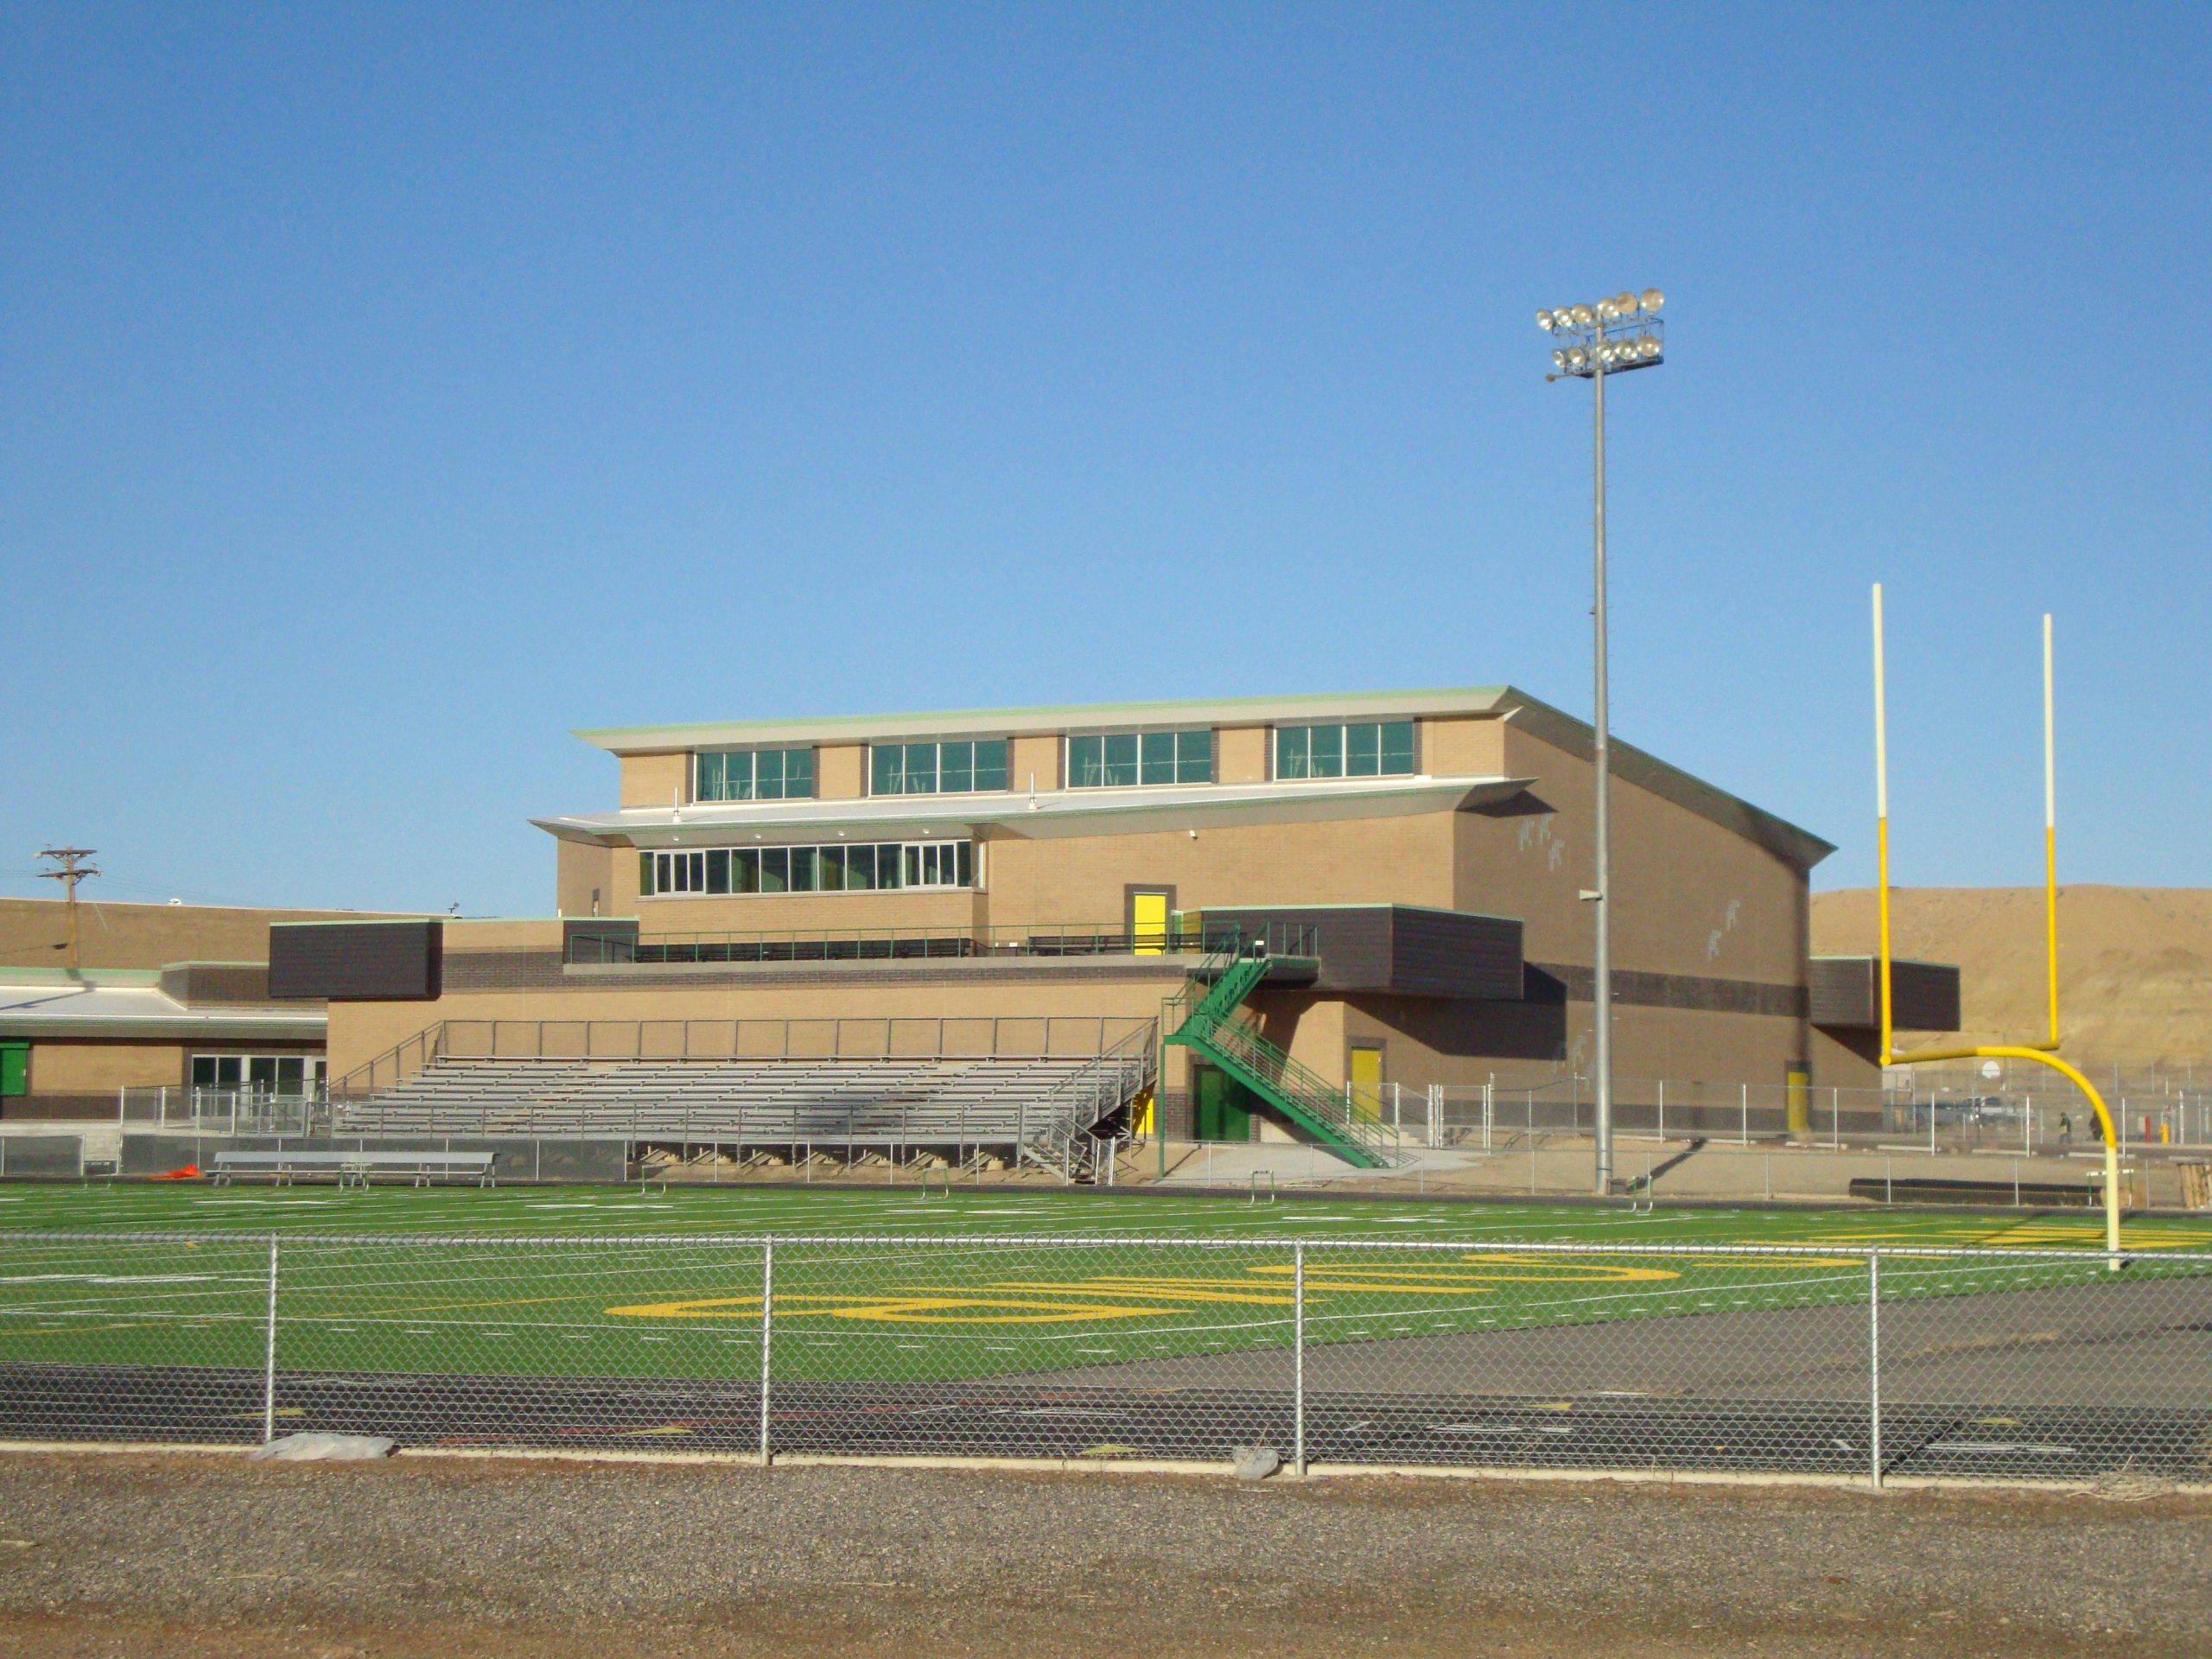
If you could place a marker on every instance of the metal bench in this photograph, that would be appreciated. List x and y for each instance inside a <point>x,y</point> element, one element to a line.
<point>353,1168</point>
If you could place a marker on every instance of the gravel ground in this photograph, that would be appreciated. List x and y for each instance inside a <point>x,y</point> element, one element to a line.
<point>140,1555</point>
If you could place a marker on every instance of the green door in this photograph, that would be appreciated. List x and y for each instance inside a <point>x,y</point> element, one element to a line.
<point>14,1068</point>
<point>1221,1106</point>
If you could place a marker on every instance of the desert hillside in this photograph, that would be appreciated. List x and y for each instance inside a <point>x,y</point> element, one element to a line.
<point>2134,964</point>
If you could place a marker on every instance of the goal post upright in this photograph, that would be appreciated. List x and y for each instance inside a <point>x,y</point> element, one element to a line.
<point>2044,1053</point>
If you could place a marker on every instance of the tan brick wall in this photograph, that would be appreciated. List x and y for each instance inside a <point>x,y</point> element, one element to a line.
<point>1241,754</point>
<point>502,934</point>
<point>581,869</point>
<point>1354,861</point>
<point>1689,896</point>
<point>1037,757</point>
<point>1468,1042</point>
<point>840,772</point>
<point>655,779</point>
<point>67,1068</point>
<point>33,932</point>
<point>1468,747</point>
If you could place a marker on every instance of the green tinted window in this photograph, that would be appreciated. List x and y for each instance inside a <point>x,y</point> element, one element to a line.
<point>1398,746</point>
<point>1194,757</point>
<point>775,869</point>
<point>1156,758</point>
<point>718,871</point>
<point>956,767</point>
<point>644,875</point>
<point>1121,759</point>
<point>887,769</point>
<point>1327,751</point>
<point>1360,749</point>
<point>990,763</point>
<point>707,785</point>
<point>745,870</point>
<point>1086,762</point>
<point>803,861</point>
<point>798,773</point>
<point>1363,751</point>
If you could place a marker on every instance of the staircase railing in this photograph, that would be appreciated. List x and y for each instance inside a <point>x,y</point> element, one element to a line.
<point>404,1059</point>
<point>1210,1022</point>
<point>1054,1128</point>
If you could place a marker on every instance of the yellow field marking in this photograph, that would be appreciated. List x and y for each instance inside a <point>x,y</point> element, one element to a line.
<point>1185,1290</point>
<point>1554,1272</point>
<point>923,1307</point>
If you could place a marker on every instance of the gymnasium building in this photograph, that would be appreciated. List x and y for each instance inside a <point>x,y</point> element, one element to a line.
<point>1260,911</point>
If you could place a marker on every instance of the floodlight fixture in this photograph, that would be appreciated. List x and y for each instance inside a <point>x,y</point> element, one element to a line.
<point>1594,342</point>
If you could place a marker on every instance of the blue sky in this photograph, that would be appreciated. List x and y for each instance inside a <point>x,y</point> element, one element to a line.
<point>386,391</point>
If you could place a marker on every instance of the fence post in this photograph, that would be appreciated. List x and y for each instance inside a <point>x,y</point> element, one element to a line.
<point>1298,1351</point>
<point>1874,1367</point>
<point>269,1356</point>
<point>767,1332</point>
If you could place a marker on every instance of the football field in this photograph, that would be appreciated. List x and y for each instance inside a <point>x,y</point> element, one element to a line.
<point>611,1281</point>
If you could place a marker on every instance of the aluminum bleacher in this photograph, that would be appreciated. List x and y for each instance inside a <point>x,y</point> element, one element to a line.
<point>1031,1108</point>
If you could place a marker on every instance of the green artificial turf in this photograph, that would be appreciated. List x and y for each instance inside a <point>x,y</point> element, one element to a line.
<point>894,1285</point>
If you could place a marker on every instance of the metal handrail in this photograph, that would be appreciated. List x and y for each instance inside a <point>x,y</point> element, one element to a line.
<point>1186,934</point>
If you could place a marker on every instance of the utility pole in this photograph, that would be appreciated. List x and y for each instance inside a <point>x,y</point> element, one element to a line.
<point>74,869</point>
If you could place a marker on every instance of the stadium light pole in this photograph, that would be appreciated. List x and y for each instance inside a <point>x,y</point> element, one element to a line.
<point>1610,337</point>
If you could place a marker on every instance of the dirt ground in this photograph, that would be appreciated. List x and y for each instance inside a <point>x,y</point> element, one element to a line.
<point>135,1556</point>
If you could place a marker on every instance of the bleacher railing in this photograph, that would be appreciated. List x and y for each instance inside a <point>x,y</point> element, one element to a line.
<point>1188,935</point>
<point>842,1038</point>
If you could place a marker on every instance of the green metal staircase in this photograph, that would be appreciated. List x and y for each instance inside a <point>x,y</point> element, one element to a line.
<point>1209,1023</point>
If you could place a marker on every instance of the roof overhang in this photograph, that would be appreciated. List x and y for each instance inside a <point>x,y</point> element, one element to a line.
<point>140,1014</point>
<point>1016,723</point>
<point>1047,815</point>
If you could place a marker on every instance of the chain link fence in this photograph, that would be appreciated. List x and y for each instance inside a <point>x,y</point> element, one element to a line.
<point>1859,1361</point>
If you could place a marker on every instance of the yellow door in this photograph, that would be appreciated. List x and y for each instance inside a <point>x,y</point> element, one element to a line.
<point>1148,923</point>
<point>1367,1082</point>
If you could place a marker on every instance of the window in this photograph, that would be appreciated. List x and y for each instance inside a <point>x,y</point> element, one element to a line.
<point>962,768</point>
<point>752,774</point>
<point>260,1074</point>
<point>1123,760</point>
<point>841,867</point>
<point>1362,749</point>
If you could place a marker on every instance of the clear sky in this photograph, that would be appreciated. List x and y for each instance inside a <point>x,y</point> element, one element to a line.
<point>386,391</point>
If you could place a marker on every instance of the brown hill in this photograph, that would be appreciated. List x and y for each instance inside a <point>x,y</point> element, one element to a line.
<point>2134,964</point>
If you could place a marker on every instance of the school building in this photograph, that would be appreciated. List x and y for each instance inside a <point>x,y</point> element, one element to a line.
<point>1403,874</point>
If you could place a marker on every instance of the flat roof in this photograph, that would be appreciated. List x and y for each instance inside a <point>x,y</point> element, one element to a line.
<point>123,1003</point>
<point>1012,723</point>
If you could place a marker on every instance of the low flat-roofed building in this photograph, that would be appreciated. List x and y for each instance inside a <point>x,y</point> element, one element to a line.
<point>74,1044</point>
